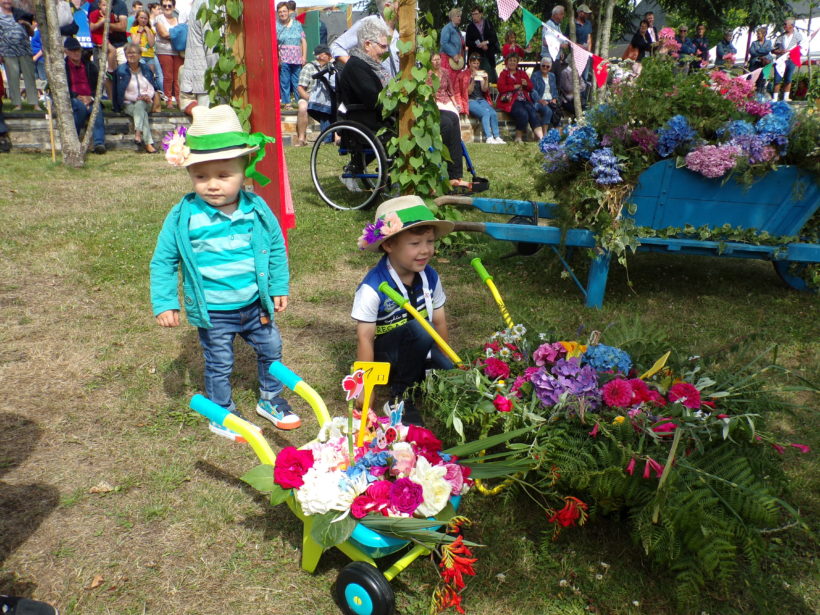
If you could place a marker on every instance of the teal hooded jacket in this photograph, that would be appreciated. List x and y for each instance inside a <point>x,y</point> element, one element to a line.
<point>174,253</point>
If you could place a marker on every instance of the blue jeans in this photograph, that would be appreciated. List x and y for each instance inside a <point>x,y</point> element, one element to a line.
<point>217,346</point>
<point>488,116</point>
<point>406,348</point>
<point>81,115</point>
<point>524,112</point>
<point>288,81</point>
<point>787,77</point>
<point>154,65</point>
<point>544,112</point>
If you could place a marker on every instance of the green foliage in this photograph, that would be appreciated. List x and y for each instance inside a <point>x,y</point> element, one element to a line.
<point>215,14</point>
<point>420,156</point>
<point>331,528</point>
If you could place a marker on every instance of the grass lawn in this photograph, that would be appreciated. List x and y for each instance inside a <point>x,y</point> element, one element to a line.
<point>116,499</point>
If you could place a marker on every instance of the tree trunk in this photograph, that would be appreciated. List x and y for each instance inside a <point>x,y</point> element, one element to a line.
<point>71,149</point>
<point>407,34</point>
<point>576,87</point>
<point>102,67</point>
<point>604,35</point>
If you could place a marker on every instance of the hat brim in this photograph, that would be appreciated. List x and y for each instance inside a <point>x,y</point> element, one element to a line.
<point>456,64</point>
<point>440,228</point>
<point>196,157</point>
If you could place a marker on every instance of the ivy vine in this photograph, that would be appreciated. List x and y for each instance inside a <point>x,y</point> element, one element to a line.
<point>418,158</point>
<point>217,16</point>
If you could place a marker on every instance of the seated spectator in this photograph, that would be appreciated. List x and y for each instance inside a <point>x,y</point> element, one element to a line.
<point>478,92</point>
<point>135,94</point>
<point>511,46</point>
<point>725,51</point>
<point>567,97</point>
<point>316,93</point>
<point>450,126</point>
<point>514,87</point>
<point>760,55</point>
<point>364,76</point>
<point>545,94</point>
<point>641,40</point>
<point>143,34</point>
<point>82,76</point>
<point>687,46</point>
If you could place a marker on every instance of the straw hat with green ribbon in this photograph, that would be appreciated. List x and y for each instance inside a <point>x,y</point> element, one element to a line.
<point>217,134</point>
<point>397,215</point>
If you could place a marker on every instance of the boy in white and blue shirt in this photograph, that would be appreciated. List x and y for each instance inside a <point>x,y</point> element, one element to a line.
<point>231,251</point>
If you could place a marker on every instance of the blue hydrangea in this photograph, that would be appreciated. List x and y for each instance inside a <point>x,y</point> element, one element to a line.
<point>773,123</point>
<point>605,166</point>
<point>600,114</point>
<point>675,133</point>
<point>783,109</point>
<point>753,146</point>
<point>555,158</point>
<point>580,142</point>
<point>553,136</point>
<point>736,128</point>
<point>604,358</point>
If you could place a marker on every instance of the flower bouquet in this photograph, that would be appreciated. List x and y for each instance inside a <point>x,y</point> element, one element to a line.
<point>627,429</point>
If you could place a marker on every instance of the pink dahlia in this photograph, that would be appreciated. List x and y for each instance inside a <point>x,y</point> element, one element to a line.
<point>686,394</point>
<point>617,393</point>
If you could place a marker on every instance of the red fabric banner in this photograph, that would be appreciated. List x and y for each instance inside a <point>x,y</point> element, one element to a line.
<point>794,55</point>
<point>601,69</point>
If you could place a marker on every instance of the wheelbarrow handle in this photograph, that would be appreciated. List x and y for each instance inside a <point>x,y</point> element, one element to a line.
<point>290,379</point>
<point>218,414</point>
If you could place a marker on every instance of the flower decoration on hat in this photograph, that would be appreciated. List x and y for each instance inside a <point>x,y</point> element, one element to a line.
<point>174,145</point>
<point>383,228</point>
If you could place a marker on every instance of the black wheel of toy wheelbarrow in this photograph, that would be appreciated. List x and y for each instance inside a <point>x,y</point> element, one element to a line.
<point>362,590</point>
<point>522,247</point>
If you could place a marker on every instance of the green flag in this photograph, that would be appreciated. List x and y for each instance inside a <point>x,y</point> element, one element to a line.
<point>531,25</point>
<point>767,71</point>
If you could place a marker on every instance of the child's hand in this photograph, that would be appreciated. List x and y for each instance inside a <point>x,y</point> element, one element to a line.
<point>280,303</point>
<point>168,318</point>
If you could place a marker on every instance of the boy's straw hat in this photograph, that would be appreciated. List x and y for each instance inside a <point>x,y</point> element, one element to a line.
<point>397,215</point>
<point>215,122</point>
<point>216,134</point>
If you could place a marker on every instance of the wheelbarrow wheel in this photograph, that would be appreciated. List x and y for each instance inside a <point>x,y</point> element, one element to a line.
<point>523,248</point>
<point>796,274</point>
<point>362,590</point>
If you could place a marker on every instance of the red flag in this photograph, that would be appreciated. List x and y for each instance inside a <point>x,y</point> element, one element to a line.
<point>301,18</point>
<point>794,55</point>
<point>601,69</point>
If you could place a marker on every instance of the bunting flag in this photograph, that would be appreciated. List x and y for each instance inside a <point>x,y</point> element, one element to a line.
<point>813,34</point>
<point>601,69</point>
<point>753,75</point>
<point>780,64</point>
<point>531,25</point>
<point>767,71</point>
<point>553,40</point>
<point>506,8</point>
<point>794,55</point>
<point>580,57</point>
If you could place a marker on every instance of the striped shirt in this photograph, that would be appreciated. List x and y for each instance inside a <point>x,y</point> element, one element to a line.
<point>224,256</point>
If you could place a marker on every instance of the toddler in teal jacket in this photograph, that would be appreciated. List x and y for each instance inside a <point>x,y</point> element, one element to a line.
<point>231,252</point>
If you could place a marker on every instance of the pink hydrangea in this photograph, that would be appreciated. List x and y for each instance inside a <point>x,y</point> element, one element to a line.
<point>548,353</point>
<point>713,160</point>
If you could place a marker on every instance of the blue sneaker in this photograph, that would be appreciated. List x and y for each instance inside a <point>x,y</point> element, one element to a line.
<point>278,412</point>
<point>230,434</point>
<point>12,605</point>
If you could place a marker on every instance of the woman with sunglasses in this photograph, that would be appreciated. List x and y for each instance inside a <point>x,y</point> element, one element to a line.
<point>478,93</point>
<point>545,95</point>
<point>169,59</point>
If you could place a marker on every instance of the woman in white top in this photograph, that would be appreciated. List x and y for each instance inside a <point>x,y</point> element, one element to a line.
<point>169,60</point>
<point>787,41</point>
<point>136,94</point>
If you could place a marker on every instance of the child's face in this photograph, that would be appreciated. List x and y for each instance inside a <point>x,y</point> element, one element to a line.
<point>218,182</point>
<point>409,252</point>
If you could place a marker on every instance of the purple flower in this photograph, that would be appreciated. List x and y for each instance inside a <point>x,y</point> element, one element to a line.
<point>405,496</point>
<point>555,158</point>
<point>713,160</point>
<point>566,376</point>
<point>605,166</point>
<point>755,147</point>
<point>645,138</point>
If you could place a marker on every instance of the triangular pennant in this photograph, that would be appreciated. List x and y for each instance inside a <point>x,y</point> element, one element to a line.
<point>794,55</point>
<point>767,71</point>
<point>506,8</point>
<point>580,57</point>
<point>531,25</point>
<point>301,18</point>
<point>601,69</point>
<point>754,75</point>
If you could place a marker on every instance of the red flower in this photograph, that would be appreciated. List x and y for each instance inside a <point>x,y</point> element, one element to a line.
<point>362,505</point>
<point>291,465</point>
<point>594,431</point>
<point>502,404</point>
<point>424,443</point>
<point>456,562</point>
<point>778,448</point>
<point>447,597</point>
<point>617,393</point>
<point>803,448</point>
<point>686,394</point>
<point>496,369</point>
<point>640,391</point>
<point>665,427</point>
<point>574,511</point>
<point>630,467</point>
<point>656,399</point>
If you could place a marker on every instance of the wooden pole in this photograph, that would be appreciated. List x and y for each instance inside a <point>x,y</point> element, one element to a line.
<point>51,129</point>
<point>407,35</point>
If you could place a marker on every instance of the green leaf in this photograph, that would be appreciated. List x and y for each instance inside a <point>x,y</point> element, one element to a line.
<point>212,38</point>
<point>260,478</point>
<point>279,495</point>
<point>329,529</point>
<point>470,448</point>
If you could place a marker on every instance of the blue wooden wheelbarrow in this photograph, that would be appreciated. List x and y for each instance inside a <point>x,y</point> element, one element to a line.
<point>780,203</point>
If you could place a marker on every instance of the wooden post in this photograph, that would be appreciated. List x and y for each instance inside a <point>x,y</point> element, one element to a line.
<point>262,82</point>
<point>239,82</point>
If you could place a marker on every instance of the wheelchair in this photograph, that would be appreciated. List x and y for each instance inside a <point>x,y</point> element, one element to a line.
<point>349,166</point>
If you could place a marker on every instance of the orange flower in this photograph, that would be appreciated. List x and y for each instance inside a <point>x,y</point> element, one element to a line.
<point>456,562</point>
<point>573,512</point>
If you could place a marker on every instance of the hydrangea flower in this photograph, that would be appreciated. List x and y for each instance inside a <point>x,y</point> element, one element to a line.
<point>580,142</point>
<point>645,139</point>
<point>774,123</point>
<point>605,167</point>
<point>755,147</point>
<point>555,158</point>
<point>674,133</point>
<point>603,358</point>
<point>736,128</point>
<point>566,376</point>
<point>553,136</point>
<point>713,160</point>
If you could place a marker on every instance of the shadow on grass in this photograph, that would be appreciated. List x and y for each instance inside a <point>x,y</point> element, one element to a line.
<point>23,507</point>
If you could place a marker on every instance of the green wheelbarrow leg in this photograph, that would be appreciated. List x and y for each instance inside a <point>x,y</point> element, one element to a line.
<point>596,282</point>
<point>405,561</point>
<point>311,551</point>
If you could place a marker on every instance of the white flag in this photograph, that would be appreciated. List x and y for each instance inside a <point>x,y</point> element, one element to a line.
<point>580,57</point>
<point>506,8</point>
